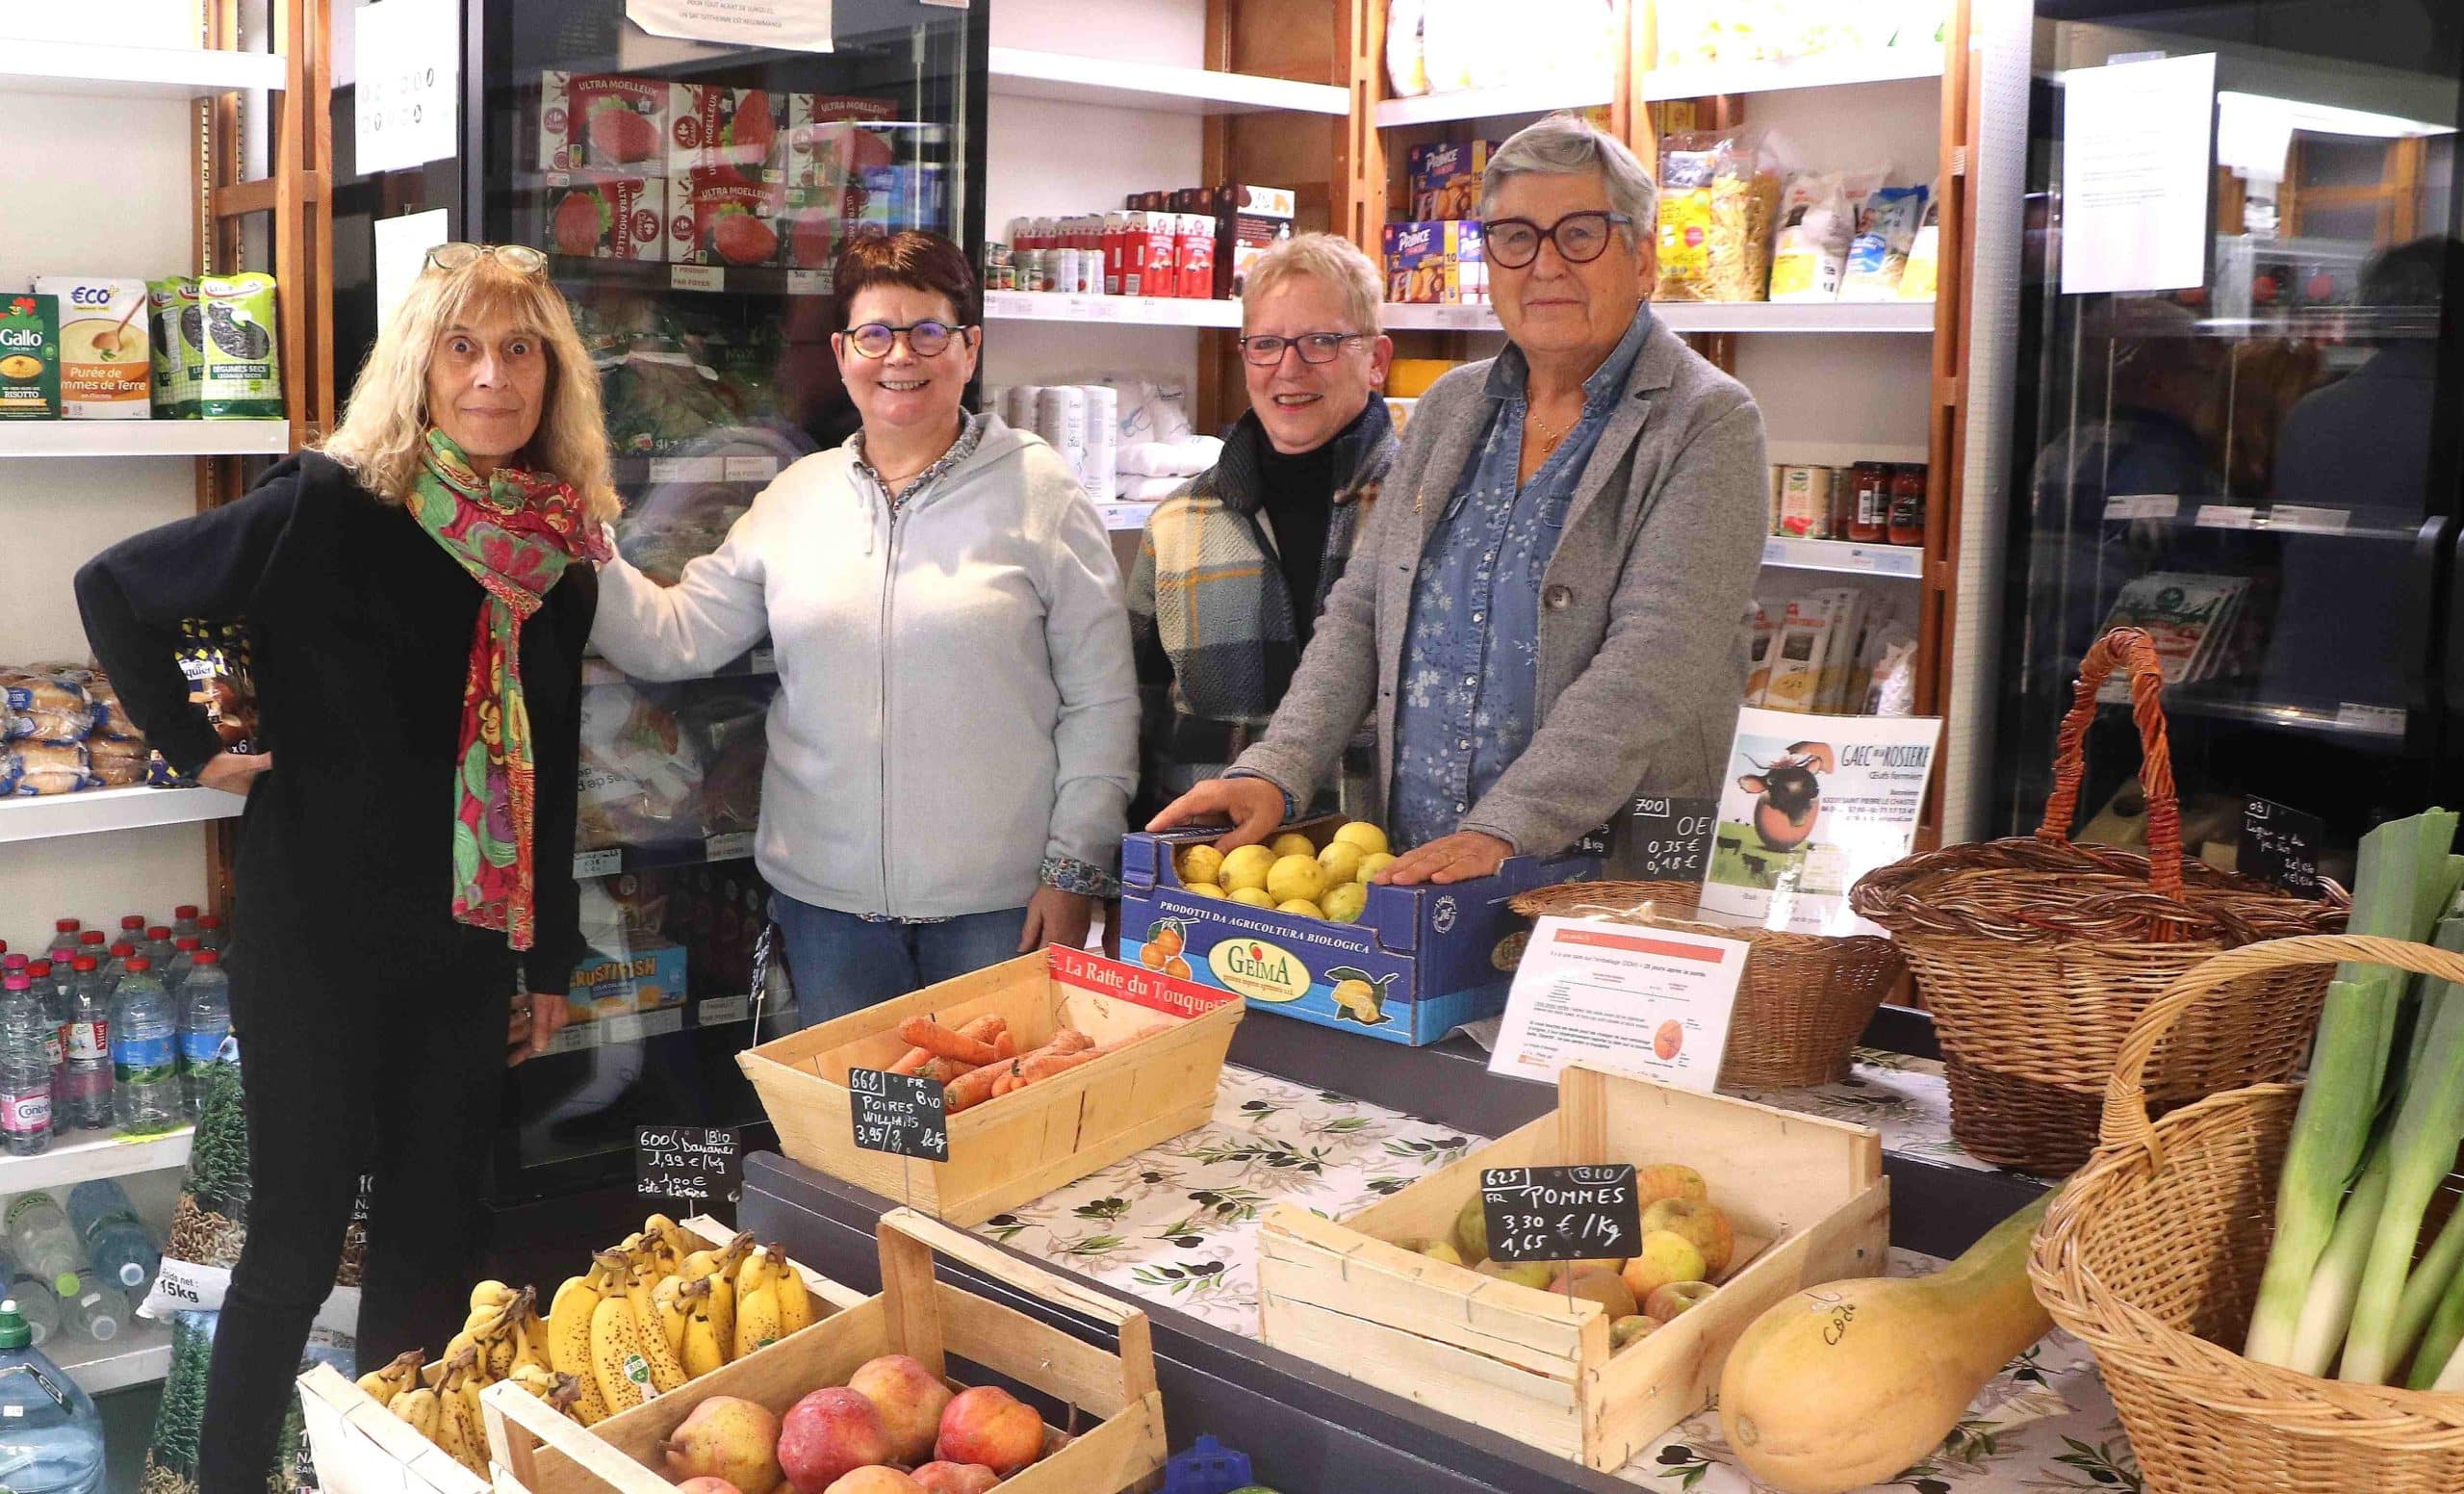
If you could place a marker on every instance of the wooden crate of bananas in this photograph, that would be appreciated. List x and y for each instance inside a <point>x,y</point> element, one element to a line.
<point>667,1306</point>
<point>864,1398</point>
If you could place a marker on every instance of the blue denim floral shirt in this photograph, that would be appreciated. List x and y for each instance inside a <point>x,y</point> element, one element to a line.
<point>1468,698</point>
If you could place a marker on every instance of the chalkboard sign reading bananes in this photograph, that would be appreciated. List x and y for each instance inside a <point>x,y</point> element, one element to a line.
<point>690,1163</point>
<point>1561,1212</point>
<point>903,1114</point>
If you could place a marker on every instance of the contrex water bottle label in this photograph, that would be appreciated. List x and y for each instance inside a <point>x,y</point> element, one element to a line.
<point>25,1115</point>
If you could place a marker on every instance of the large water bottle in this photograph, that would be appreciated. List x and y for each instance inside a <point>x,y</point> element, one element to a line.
<point>94,1312</point>
<point>205,1022</point>
<point>132,930</point>
<point>184,952</point>
<point>25,1070</point>
<point>51,1436</point>
<point>63,940</point>
<point>38,1300</point>
<point>83,1100</point>
<point>184,921</point>
<point>116,968</point>
<point>116,1241</point>
<point>145,1053</point>
<point>42,1238</point>
<point>52,1008</point>
<point>210,930</point>
<point>157,947</point>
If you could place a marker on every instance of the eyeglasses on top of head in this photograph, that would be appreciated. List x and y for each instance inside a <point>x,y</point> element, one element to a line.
<point>519,257</point>
<point>1580,236</point>
<point>1266,351</point>
<point>925,339</point>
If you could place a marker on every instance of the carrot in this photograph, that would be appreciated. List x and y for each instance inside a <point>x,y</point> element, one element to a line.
<point>1007,1044</point>
<point>971,1089</point>
<point>924,1033</point>
<point>1046,1065</point>
<point>986,1028</point>
<point>913,1063</point>
<point>947,1070</point>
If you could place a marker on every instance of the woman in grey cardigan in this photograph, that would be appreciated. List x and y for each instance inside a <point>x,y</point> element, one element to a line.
<point>1542,610</point>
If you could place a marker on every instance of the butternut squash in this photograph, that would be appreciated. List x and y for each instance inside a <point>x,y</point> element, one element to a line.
<point>1848,1383</point>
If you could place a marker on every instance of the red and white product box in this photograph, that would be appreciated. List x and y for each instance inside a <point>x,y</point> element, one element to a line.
<point>1194,258</point>
<point>813,223</point>
<point>608,217</point>
<point>1155,263</point>
<point>601,122</point>
<point>739,130</point>
<point>1117,238</point>
<point>826,143</point>
<point>717,217</point>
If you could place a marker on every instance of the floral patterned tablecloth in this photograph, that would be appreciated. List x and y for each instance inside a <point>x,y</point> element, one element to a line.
<point>1176,1225</point>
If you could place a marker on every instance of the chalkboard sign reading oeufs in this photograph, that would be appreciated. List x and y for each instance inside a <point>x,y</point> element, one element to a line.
<point>690,1163</point>
<point>902,1114</point>
<point>1561,1212</point>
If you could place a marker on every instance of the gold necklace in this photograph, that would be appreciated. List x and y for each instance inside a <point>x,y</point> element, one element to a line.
<point>1549,438</point>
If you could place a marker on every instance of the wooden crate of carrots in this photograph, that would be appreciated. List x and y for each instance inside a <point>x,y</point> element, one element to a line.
<point>1057,1064</point>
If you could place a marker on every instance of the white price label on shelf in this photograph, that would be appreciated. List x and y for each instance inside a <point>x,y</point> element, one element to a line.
<point>575,1037</point>
<point>734,845</point>
<point>2226,516</point>
<point>720,1011</point>
<point>697,277</point>
<point>2307,520</point>
<point>808,282</point>
<point>688,469</point>
<point>751,469</point>
<point>2141,505</point>
<point>598,864</point>
<point>1128,517</point>
<point>2376,720</point>
<point>622,1027</point>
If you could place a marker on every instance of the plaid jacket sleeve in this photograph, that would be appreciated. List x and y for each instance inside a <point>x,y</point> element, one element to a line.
<point>1154,666</point>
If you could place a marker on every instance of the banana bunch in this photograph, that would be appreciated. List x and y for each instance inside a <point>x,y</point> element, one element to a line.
<point>459,1428</point>
<point>771,1299</point>
<point>396,1378</point>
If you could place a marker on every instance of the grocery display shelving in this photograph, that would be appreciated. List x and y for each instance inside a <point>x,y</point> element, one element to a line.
<point>1704,317</point>
<point>56,438</point>
<point>1524,99</point>
<point>101,809</point>
<point>1113,310</point>
<point>139,1355</point>
<point>1882,65</point>
<point>82,1156</point>
<point>1017,72</point>
<point>103,70</point>
<point>1843,555</point>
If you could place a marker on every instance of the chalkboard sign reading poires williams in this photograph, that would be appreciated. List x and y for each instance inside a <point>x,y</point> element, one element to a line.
<point>901,1114</point>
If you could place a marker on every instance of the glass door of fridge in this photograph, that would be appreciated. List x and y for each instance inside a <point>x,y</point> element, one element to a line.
<point>691,199</point>
<point>2253,468</point>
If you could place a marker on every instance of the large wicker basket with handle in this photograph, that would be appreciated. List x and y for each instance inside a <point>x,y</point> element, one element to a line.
<point>2152,1255</point>
<point>1802,1001</point>
<point>2035,955</point>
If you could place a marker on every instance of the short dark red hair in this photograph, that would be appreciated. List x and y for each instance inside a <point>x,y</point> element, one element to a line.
<point>918,260</point>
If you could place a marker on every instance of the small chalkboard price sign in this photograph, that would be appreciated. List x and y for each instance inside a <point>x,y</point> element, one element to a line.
<point>2281,845</point>
<point>1671,839</point>
<point>901,1114</point>
<point>689,1163</point>
<point>1561,1212</point>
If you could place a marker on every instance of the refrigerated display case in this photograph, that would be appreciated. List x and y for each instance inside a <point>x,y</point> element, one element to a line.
<point>691,199</point>
<point>2252,468</point>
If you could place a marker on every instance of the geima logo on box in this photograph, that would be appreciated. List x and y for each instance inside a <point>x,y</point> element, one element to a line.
<point>1259,970</point>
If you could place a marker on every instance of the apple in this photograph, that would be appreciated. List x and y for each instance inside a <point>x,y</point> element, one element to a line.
<point>1666,1256</point>
<point>1704,1223</point>
<point>1604,1287</point>
<point>727,1441</point>
<point>1535,1275</point>
<point>988,1425</point>
<point>911,1401</point>
<point>1624,1330</point>
<point>1674,1298</point>
<point>955,1478</point>
<point>1657,1180</point>
<point>875,1478</point>
<point>828,1435</point>
<point>708,1485</point>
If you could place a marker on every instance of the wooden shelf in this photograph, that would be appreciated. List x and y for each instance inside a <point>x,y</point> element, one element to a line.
<point>1843,555</point>
<point>145,438</point>
<point>1122,310</point>
<point>1070,79</point>
<point>1685,317</point>
<point>1528,99</point>
<point>101,809</point>
<point>1822,71</point>
<point>103,71</point>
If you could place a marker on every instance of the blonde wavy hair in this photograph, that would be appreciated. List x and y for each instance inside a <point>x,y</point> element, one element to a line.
<point>385,426</point>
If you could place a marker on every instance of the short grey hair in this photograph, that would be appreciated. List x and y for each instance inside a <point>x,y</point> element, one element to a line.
<point>1326,257</point>
<point>1565,144</point>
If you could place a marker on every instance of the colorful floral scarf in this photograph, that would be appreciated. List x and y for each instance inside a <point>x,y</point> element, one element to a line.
<point>514,531</point>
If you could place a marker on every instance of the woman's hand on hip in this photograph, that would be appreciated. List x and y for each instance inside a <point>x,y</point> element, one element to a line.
<point>1057,917</point>
<point>533,1025</point>
<point>1254,804</point>
<point>233,772</point>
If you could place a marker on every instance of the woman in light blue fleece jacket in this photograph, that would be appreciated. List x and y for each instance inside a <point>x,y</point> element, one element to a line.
<point>955,738</point>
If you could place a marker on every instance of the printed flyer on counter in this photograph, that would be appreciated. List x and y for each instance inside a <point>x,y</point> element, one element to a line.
<point>1639,1000</point>
<point>1809,805</point>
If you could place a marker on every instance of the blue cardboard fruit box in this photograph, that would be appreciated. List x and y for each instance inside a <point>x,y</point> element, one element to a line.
<point>1417,964</point>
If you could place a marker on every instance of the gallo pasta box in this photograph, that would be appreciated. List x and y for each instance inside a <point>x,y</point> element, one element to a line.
<point>1417,964</point>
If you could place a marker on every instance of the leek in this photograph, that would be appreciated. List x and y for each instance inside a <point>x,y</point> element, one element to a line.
<point>2402,863</point>
<point>2428,1284</point>
<point>2335,1285</point>
<point>2445,1292</point>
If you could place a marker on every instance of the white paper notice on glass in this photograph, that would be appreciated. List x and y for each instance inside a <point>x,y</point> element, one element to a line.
<point>2135,174</point>
<point>401,253</point>
<point>783,25</point>
<point>1623,996</point>
<point>409,81</point>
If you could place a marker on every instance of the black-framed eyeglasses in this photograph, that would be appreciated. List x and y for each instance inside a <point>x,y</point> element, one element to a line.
<point>520,257</point>
<point>1580,236</point>
<point>1315,347</point>
<point>924,339</point>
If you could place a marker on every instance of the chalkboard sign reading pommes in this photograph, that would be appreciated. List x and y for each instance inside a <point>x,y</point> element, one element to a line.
<point>1561,1212</point>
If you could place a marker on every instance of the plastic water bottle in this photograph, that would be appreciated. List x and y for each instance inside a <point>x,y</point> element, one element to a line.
<point>184,921</point>
<point>48,1005</point>
<point>38,1300</point>
<point>42,1238</point>
<point>25,1070</point>
<point>94,1312</point>
<point>145,1053</point>
<point>63,940</point>
<point>209,930</point>
<point>132,930</point>
<point>83,1100</point>
<point>116,1241</point>
<point>116,968</point>
<point>184,952</point>
<point>205,1022</point>
<point>51,1436</point>
<point>158,946</point>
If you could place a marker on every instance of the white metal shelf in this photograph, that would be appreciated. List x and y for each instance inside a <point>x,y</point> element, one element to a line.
<point>99,70</point>
<point>1814,316</point>
<point>1821,70</point>
<point>82,1156</point>
<point>1525,98</point>
<point>102,810</point>
<point>1070,79</point>
<point>1835,554</point>
<point>1123,310</point>
<point>144,437</point>
<point>139,1355</point>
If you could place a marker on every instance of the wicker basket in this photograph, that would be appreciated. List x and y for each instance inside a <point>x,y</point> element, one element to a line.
<point>2035,955</point>
<point>1802,1002</point>
<point>2152,1255</point>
